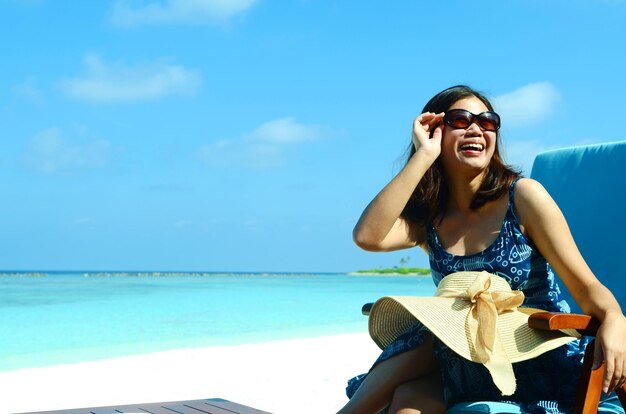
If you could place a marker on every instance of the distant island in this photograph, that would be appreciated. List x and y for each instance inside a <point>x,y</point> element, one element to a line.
<point>153,274</point>
<point>23,274</point>
<point>190,274</point>
<point>394,271</point>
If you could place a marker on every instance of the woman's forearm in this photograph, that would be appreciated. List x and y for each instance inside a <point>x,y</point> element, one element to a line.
<point>599,302</point>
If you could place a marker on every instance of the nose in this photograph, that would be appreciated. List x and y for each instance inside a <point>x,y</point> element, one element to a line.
<point>474,128</point>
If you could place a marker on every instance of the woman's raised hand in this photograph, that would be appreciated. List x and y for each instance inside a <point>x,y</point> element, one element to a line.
<point>424,126</point>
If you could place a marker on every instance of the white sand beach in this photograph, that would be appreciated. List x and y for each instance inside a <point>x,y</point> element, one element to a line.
<point>282,377</point>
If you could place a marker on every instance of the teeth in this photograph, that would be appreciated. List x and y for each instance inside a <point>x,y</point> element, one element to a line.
<point>473,147</point>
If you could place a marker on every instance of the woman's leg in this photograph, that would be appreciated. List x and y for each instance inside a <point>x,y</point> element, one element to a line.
<point>421,396</point>
<point>378,388</point>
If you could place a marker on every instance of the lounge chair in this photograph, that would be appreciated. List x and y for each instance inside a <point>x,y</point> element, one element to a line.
<point>588,184</point>
<point>210,406</point>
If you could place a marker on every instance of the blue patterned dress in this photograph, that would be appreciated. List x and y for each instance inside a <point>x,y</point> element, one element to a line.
<point>546,384</point>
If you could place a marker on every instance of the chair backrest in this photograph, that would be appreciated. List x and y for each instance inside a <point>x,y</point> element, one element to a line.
<point>589,185</point>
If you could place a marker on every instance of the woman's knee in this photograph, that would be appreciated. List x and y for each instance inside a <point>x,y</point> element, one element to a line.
<point>424,395</point>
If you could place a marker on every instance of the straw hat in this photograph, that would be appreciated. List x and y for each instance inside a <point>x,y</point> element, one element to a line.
<point>476,315</point>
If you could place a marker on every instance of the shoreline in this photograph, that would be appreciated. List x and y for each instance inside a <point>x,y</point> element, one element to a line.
<point>396,274</point>
<point>144,274</point>
<point>394,271</point>
<point>283,376</point>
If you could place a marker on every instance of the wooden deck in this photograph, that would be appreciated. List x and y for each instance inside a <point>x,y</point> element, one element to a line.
<point>209,406</point>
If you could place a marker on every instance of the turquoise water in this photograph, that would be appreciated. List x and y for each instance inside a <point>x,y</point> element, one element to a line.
<point>67,317</point>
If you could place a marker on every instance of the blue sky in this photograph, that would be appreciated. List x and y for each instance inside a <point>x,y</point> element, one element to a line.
<point>248,135</point>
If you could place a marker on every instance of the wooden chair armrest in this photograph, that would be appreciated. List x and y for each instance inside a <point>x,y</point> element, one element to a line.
<point>365,310</point>
<point>551,321</point>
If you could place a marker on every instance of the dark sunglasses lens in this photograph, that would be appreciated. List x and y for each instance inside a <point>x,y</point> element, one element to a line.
<point>489,120</point>
<point>459,119</point>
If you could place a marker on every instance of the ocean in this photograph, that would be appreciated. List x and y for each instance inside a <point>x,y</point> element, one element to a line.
<point>69,317</point>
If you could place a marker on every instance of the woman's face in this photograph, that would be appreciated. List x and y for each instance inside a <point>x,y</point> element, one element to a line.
<point>467,149</point>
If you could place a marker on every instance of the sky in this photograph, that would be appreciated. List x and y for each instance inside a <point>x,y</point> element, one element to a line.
<point>249,135</point>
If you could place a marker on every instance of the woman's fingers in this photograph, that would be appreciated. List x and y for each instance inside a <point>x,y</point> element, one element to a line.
<point>437,120</point>
<point>607,382</point>
<point>420,131</point>
<point>438,132</point>
<point>426,122</point>
<point>615,375</point>
<point>425,127</point>
<point>618,374</point>
<point>614,365</point>
<point>423,120</point>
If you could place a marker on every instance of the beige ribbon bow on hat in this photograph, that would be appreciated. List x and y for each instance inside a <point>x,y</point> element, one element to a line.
<point>481,322</point>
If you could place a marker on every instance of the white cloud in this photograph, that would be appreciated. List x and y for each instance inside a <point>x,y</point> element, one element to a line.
<point>238,152</point>
<point>50,153</point>
<point>267,146</point>
<point>522,153</point>
<point>177,11</point>
<point>118,83</point>
<point>28,90</point>
<point>529,104</point>
<point>284,131</point>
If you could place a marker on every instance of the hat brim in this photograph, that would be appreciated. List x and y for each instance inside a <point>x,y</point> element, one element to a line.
<point>445,317</point>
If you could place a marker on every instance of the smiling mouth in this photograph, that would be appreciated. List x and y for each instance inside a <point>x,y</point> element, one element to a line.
<point>472,147</point>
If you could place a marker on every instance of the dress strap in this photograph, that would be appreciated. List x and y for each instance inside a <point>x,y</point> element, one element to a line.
<point>512,192</point>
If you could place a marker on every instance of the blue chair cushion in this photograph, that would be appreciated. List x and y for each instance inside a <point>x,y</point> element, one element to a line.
<point>610,405</point>
<point>587,182</point>
<point>481,407</point>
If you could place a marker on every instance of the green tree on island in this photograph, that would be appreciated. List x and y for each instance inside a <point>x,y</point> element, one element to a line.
<point>403,269</point>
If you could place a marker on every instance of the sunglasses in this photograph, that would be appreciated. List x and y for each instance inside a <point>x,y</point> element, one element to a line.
<point>460,118</point>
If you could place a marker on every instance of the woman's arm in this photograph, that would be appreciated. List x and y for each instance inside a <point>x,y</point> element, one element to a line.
<point>380,227</point>
<point>544,223</point>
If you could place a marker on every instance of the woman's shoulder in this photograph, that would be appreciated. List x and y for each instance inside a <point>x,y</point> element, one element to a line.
<point>532,201</point>
<point>528,190</point>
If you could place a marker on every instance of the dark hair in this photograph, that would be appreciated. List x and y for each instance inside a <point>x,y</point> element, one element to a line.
<point>430,197</point>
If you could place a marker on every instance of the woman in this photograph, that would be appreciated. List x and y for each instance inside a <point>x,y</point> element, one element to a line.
<point>457,200</point>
